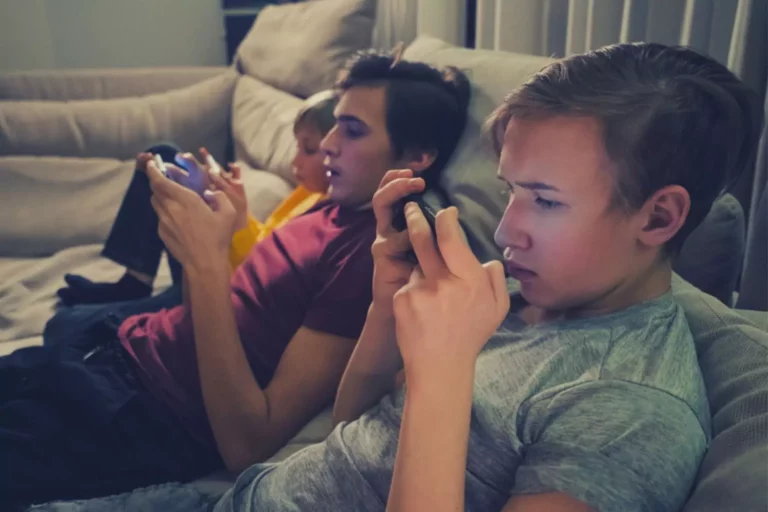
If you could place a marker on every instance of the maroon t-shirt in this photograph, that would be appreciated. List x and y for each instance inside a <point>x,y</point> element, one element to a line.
<point>315,271</point>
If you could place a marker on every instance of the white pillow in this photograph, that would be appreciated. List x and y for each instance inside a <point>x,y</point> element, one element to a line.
<point>299,48</point>
<point>262,126</point>
<point>470,181</point>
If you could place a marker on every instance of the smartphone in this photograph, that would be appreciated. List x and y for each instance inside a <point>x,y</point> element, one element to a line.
<point>398,217</point>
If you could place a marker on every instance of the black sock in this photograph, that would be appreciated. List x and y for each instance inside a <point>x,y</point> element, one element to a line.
<point>84,291</point>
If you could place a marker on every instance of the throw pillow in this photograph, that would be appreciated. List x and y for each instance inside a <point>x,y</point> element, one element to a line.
<point>299,48</point>
<point>262,126</point>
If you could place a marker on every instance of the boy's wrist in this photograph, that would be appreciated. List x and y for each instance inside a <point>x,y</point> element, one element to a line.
<point>208,266</point>
<point>379,311</point>
<point>435,379</point>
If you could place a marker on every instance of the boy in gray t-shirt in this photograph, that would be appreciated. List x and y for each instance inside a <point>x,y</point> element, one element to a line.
<point>573,386</point>
<point>610,410</point>
<point>589,395</point>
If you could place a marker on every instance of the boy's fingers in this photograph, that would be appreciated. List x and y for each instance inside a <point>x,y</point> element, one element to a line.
<point>158,204</point>
<point>457,255</point>
<point>395,174</point>
<point>188,161</point>
<point>222,183</point>
<point>420,234</point>
<point>156,178</point>
<point>495,271</point>
<point>235,170</point>
<point>386,197</point>
<point>175,173</point>
<point>166,186</point>
<point>218,201</point>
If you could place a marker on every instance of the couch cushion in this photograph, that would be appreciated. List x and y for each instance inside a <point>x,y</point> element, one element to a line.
<point>470,181</point>
<point>119,128</point>
<point>733,356</point>
<point>57,203</point>
<point>262,126</point>
<point>28,287</point>
<point>263,189</point>
<point>299,48</point>
<point>81,197</point>
<point>711,256</point>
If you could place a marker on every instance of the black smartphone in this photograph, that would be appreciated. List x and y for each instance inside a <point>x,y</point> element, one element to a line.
<point>398,217</point>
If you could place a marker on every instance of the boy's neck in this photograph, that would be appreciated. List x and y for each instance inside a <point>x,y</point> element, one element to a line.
<point>643,287</point>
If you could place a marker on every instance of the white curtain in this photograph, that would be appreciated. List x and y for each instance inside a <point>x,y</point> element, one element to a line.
<point>395,22</point>
<point>732,31</point>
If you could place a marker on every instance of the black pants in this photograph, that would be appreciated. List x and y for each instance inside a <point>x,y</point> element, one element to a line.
<point>76,422</point>
<point>133,241</point>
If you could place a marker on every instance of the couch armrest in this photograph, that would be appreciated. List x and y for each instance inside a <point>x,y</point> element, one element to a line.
<point>91,84</point>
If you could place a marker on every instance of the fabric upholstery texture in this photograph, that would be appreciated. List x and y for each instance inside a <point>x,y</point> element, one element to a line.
<point>300,48</point>
<point>119,128</point>
<point>262,126</point>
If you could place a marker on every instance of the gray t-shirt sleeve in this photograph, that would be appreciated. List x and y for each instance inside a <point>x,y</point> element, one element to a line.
<point>615,445</point>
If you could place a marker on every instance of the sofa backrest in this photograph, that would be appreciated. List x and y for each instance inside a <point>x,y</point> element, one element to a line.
<point>733,356</point>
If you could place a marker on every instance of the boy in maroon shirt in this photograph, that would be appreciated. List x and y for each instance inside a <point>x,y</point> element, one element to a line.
<point>231,375</point>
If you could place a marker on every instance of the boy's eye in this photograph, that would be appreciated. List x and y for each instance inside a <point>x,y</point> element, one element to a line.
<point>546,204</point>
<point>353,132</point>
<point>310,151</point>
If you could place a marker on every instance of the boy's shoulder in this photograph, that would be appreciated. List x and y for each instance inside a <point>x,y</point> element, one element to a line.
<point>646,348</point>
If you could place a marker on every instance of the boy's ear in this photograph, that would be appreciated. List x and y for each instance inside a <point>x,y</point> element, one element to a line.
<point>664,214</point>
<point>417,161</point>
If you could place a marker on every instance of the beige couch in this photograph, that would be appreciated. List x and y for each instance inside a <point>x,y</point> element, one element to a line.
<point>68,140</point>
<point>60,187</point>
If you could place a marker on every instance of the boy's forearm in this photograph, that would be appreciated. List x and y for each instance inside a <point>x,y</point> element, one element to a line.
<point>432,449</point>
<point>372,368</point>
<point>185,291</point>
<point>236,406</point>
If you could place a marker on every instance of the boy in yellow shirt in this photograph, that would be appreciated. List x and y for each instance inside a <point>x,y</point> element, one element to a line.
<point>134,242</point>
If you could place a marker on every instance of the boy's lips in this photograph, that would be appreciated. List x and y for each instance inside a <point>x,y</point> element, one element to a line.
<point>519,272</point>
<point>331,172</point>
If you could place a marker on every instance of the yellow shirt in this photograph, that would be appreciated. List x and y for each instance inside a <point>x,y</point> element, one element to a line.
<point>292,206</point>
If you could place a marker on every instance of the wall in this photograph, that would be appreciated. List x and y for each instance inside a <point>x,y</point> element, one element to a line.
<point>60,34</point>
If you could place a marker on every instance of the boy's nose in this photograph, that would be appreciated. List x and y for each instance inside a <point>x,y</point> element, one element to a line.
<point>328,145</point>
<point>512,232</point>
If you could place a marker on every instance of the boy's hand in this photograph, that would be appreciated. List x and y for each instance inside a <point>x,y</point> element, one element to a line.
<point>196,231</point>
<point>194,175</point>
<point>141,161</point>
<point>391,269</point>
<point>233,188</point>
<point>452,303</point>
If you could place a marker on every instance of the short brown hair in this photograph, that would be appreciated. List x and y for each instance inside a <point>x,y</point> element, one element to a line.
<point>317,112</point>
<point>426,107</point>
<point>670,116</point>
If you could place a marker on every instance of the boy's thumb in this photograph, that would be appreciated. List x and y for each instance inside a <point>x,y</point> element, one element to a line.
<point>217,200</point>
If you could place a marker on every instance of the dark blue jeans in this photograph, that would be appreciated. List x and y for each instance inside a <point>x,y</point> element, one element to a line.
<point>70,325</point>
<point>133,241</point>
<point>76,421</point>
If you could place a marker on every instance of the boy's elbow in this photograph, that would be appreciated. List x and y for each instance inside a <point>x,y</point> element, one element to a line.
<point>239,456</point>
